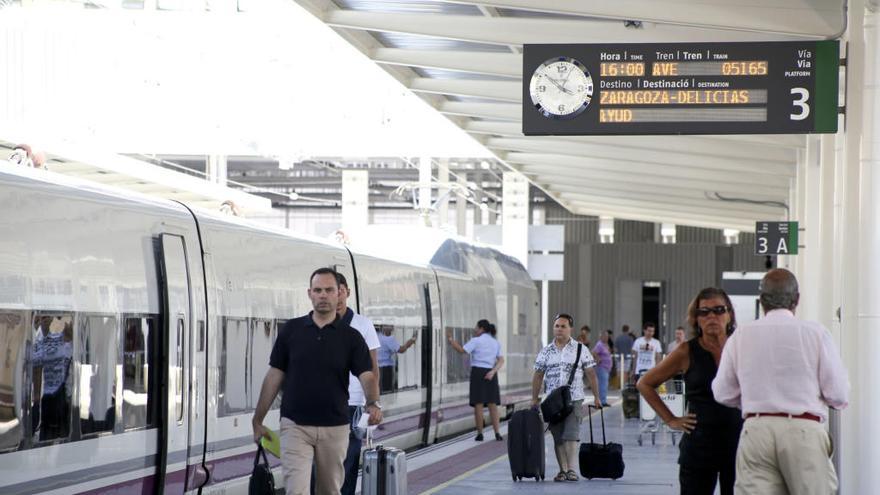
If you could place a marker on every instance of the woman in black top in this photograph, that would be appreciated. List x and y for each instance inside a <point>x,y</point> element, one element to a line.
<point>708,448</point>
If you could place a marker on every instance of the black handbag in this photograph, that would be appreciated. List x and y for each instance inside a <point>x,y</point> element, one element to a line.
<point>262,481</point>
<point>557,406</point>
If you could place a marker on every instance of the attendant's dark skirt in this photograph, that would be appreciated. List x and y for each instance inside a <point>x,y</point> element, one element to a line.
<point>484,391</point>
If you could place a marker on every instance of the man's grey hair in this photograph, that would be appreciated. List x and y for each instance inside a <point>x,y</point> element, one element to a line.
<point>779,290</point>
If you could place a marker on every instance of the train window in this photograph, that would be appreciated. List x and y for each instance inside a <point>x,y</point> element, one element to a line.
<point>141,337</point>
<point>387,358</point>
<point>263,335</point>
<point>234,366</point>
<point>51,383</point>
<point>97,348</point>
<point>457,365</point>
<point>515,328</point>
<point>13,352</point>
<point>409,366</point>
<point>178,370</point>
<point>200,346</point>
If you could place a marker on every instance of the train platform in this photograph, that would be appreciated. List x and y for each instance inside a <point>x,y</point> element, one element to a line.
<point>463,466</point>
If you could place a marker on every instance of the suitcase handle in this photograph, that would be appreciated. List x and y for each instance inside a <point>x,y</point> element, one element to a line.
<point>602,415</point>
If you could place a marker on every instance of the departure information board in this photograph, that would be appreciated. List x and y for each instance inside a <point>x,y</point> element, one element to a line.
<point>681,88</point>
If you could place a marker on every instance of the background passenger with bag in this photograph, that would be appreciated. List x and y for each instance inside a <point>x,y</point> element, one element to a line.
<point>558,365</point>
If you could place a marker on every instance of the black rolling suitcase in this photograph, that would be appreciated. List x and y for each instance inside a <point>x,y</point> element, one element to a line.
<point>525,445</point>
<point>630,396</point>
<point>601,460</point>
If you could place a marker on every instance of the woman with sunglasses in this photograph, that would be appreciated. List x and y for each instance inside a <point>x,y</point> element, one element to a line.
<point>707,451</point>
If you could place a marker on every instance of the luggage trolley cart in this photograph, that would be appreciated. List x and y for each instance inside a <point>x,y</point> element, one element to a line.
<point>672,394</point>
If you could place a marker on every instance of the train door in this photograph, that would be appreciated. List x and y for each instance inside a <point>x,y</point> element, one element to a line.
<point>435,341</point>
<point>174,421</point>
<point>427,350</point>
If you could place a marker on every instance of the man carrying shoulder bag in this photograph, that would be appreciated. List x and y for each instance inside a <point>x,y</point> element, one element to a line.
<point>561,368</point>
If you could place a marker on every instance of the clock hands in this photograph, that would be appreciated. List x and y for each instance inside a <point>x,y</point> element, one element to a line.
<point>560,86</point>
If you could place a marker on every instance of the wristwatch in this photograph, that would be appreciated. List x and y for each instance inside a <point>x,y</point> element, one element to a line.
<point>374,403</point>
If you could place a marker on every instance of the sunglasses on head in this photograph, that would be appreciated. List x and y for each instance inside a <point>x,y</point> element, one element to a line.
<point>718,310</point>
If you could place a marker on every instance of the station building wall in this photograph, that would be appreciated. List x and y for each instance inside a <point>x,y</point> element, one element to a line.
<point>602,281</point>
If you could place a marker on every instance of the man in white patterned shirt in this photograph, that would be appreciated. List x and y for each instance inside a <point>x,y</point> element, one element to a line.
<point>552,368</point>
<point>783,373</point>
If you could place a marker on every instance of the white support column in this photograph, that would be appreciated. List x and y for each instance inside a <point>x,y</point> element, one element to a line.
<point>825,231</point>
<point>355,200</point>
<point>865,396</point>
<point>424,199</point>
<point>461,207</point>
<point>809,257</point>
<point>858,447</point>
<point>442,190</point>
<point>216,169</point>
<point>479,216</point>
<point>515,216</point>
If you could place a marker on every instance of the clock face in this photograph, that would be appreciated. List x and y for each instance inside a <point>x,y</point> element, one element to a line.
<point>561,88</point>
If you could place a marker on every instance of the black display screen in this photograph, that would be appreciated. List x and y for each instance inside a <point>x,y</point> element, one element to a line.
<point>681,88</point>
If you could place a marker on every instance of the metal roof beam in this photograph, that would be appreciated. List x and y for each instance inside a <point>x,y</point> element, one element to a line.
<point>495,90</point>
<point>798,17</point>
<point>637,191</point>
<point>708,221</point>
<point>659,157</point>
<point>518,31</point>
<point>548,162</point>
<point>494,64</point>
<point>766,147</point>
<point>653,202</point>
<point>622,179</point>
<point>497,111</point>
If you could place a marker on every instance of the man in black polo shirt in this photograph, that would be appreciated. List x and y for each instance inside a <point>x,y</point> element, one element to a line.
<point>312,358</point>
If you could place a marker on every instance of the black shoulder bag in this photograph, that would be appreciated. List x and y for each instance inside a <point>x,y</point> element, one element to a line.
<point>262,481</point>
<point>557,406</point>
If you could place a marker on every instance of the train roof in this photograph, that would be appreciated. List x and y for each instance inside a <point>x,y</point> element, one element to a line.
<point>424,246</point>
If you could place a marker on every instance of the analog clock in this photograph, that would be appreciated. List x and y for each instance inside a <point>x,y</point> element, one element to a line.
<point>561,88</point>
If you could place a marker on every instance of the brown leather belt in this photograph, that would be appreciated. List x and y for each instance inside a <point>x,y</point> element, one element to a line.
<point>809,416</point>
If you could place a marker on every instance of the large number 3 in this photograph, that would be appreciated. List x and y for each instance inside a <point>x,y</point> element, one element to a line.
<point>801,102</point>
<point>762,247</point>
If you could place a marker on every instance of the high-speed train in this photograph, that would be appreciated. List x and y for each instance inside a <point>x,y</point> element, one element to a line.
<point>135,334</point>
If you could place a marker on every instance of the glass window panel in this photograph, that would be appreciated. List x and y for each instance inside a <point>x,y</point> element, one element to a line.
<point>139,381</point>
<point>178,369</point>
<point>98,346</point>
<point>13,342</point>
<point>409,362</point>
<point>264,333</point>
<point>234,369</point>
<point>51,357</point>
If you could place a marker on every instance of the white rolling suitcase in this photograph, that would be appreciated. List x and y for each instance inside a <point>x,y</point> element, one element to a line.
<point>384,471</point>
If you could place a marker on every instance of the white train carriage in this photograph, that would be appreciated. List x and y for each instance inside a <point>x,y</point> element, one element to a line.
<point>135,333</point>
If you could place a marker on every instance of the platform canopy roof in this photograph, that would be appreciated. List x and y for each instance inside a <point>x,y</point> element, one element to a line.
<point>464,58</point>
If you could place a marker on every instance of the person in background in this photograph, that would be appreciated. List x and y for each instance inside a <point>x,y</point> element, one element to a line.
<point>602,355</point>
<point>311,359</point>
<point>356,398</point>
<point>486,360</point>
<point>623,345</point>
<point>584,336</point>
<point>784,374</point>
<point>646,351</point>
<point>388,347</point>
<point>707,452</point>
<point>679,339</point>
<point>610,340</point>
<point>552,368</point>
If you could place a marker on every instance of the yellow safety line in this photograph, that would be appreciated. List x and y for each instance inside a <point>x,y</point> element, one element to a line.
<point>462,476</point>
<point>469,473</point>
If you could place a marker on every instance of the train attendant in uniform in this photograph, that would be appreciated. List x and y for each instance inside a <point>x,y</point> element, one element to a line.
<point>552,368</point>
<point>708,448</point>
<point>311,359</point>
<point>486,360</point>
